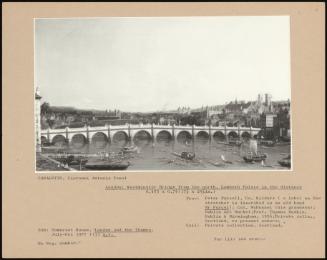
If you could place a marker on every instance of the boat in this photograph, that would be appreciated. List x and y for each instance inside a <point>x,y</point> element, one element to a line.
<point>286,162</point>
<point>54,149</point>
<point>107,165</point>
<point>254,158</point>
<point>217,164</point>
<point>234,142</point>
<point>268,143</point>
<point>250,152</point>
<point>46,144</point>
<point>78,161</point>
<point>71,158</point>
<point>222,157</point>
<point>285,139</point>
<point>62,158</point>
<point>186,155</point>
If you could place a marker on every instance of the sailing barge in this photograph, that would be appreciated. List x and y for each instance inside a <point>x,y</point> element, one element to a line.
<point>254,158</point>
<point>107,165</point>
<point>185,155</point>
<point>100,162</point>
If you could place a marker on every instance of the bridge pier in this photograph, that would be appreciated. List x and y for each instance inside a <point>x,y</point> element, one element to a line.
<point>109,136</point>
<point>87,134</point>
<point>238,132</point>
<point>173,137</point>
<point>48,134</point>
<point>193,133</point>
<point>173,132</point>
<point>152,134</point>
<point>130,139</point>
<point>67,138</point>
<point>210,136</point>
<point>193,139</point>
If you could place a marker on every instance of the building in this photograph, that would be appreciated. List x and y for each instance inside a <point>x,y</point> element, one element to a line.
<point>215,110</point>
<point>183,110</point>
<point>276,125</point>
<point>37,108</point>
<point>268,125</point>
<point>107,115</point>
<point>267,99</point>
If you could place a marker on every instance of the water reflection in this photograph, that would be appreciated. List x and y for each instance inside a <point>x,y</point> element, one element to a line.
<point>100,140</point>
<point>78,141</point>
<point>142,138</point>
<point>120,138</point>
<point>184,137</point>
<point>202,137</point>
<point>164,137</point>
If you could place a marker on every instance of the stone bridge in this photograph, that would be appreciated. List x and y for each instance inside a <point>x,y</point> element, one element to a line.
<point>130,132</point>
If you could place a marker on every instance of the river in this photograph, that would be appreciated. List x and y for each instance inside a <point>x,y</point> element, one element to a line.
<point>159,155</point>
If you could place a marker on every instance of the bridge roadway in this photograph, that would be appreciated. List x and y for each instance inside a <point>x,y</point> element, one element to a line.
<point>152,131</point>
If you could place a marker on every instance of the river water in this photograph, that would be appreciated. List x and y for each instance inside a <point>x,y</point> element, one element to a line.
<point>159,155</point>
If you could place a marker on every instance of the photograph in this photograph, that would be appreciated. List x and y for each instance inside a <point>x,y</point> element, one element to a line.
<point>154,94</point>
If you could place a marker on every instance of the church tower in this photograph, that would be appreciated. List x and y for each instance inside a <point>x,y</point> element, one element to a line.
<point>37,105</point>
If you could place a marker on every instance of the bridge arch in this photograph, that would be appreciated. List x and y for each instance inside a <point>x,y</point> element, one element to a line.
<point>219,136</point>
<point>202,137</point>
<point>78,141</point>
<point>120,138</point>
<point>246,135</point>
<point>184,137</point>
<point>164,136</point>
<point>99,140</point>
<point>142,137</point>
<point>59,140</point>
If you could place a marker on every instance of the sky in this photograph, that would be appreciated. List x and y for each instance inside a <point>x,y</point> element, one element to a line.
<point>145,64</point>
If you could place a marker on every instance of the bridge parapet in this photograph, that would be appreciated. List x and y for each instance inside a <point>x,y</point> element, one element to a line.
<point>158,126</point>
<point>49,130</point>
<point>75,130</point>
